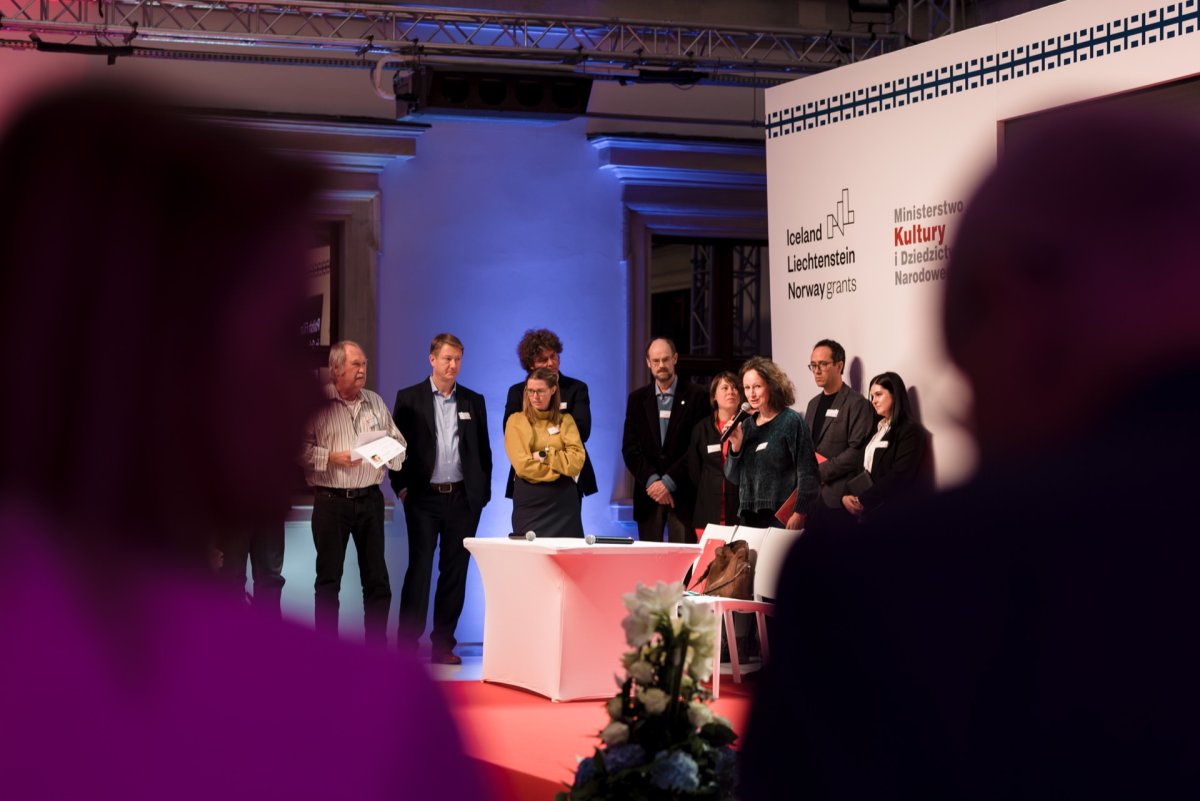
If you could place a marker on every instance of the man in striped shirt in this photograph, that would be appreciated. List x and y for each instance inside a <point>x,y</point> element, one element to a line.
<point>347,501</point>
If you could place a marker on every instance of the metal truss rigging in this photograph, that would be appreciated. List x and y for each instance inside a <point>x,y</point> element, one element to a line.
<point>318,31</point>
<point>937,17</point>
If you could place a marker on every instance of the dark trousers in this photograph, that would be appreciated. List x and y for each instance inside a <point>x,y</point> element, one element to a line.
<point>335,520</point>
<point>823,518</point>
<point>763,518</point>
<point>430,514</point>
<point>650,528</point>
<point>264,547</point>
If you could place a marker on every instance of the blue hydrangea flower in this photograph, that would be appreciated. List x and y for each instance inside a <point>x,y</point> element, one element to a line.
<point>675,771</point>
<point>585,772</point>
<point>624,756</point>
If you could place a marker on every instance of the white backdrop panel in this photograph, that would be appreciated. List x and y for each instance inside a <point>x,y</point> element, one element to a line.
<point>869,167</point>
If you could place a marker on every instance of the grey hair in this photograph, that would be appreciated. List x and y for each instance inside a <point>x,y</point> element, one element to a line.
<point>337,354</point>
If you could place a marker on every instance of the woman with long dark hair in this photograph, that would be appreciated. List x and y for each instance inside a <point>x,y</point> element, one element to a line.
<point>894,457</point>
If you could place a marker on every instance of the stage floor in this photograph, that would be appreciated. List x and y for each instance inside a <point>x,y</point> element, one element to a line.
<point>526,745</point>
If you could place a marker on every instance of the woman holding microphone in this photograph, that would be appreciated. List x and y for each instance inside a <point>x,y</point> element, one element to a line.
<point>771,454</point>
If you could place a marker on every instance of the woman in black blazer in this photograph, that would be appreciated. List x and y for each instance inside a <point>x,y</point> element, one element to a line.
<point>716,496</point>
<point>894,459</point>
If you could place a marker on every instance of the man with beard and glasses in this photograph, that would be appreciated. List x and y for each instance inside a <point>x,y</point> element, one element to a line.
<point>659,419</point>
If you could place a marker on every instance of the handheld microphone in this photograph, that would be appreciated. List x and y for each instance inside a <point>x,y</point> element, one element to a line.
<point>592,539</point>
<point>528,535</point>
<point>743,412</point>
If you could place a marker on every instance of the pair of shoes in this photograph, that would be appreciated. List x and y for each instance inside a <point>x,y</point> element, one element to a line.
<point>445,658</point>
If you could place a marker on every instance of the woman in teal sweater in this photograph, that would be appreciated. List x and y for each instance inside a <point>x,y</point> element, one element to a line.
<point>771,454</point>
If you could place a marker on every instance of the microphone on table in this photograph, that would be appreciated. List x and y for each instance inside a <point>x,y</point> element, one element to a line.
<point>743,412</point>
<point>592,539</point>
<point>528,535</point>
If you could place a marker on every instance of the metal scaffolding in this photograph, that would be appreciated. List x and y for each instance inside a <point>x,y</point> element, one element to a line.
<point>747,299</point>
<point>332,32</point>
<point>726,296</point>
<point>930,19</point>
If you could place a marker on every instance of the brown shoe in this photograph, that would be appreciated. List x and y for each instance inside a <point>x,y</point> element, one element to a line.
<point>445,658</point>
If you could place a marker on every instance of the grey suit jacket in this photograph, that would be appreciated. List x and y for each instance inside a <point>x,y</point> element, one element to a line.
<point>847,430</point>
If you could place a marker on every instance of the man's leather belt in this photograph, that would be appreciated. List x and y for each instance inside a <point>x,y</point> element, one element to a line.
<point>448,487</point>
<point>343,492</point>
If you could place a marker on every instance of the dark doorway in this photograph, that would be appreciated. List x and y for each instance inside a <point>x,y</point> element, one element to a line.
<point>710,297</point>
<point>319,326</point>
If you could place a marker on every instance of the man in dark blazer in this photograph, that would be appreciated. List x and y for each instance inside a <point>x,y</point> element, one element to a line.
<point>540,348</point>
<point>659,418</point>
<point>444,484</point>
<point>842,423</point>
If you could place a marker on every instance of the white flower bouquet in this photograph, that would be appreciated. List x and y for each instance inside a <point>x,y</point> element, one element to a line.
<point>662,740</point>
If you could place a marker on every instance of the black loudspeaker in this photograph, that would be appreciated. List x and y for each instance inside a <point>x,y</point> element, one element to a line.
<point>433,92</point>
<point>873,11</point>
<point>873,6</point>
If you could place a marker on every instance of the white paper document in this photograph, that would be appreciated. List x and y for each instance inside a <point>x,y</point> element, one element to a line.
<point>376,448</point>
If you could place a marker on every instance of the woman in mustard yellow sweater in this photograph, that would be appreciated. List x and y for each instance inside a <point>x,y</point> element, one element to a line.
<point>547,454</point>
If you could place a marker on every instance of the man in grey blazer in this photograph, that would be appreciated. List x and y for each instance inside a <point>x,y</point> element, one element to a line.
<point>841,422</point>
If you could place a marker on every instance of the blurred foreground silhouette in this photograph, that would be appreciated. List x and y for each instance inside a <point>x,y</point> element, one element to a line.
<point>150,273</point>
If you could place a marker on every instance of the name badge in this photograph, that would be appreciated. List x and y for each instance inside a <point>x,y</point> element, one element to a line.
<point>464,415</point>
<point>831,412</point>
<point>714,448</point>
<point>762,446</point>
<point>664,414</point>
<point>881,444</point>
<point>552,430</point>
<point>563,406</point>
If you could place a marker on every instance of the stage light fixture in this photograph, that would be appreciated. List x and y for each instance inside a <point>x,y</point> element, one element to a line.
<point>873,6</point>
<point>873,12</point>
<point>432,91</point>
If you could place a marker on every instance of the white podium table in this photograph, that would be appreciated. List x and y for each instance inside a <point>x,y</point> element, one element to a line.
<point>553,609</point>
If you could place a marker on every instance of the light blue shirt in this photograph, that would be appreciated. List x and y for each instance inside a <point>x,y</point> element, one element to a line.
<point>665,401</point>
<point>448,468</point>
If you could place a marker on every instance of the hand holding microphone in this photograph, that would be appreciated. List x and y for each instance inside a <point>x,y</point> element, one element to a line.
<point>743,412</point>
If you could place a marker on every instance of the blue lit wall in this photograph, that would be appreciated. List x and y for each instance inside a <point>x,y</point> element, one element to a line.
<point>493,229</point>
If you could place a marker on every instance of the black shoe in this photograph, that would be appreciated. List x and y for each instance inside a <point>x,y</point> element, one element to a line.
<point>445,658</point>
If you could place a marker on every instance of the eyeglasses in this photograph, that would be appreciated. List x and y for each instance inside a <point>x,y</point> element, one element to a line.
<point>537,392</point>
<point>815,366</point>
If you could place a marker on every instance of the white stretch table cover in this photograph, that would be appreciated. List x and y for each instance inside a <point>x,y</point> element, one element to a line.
<point>553,609</point>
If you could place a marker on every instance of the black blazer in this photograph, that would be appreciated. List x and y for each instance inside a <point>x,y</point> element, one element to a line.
<point>573,393</point>
<point>413,414</point>
<point>706,472</point>
<point>897,470</point>
<point>645,455</point>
